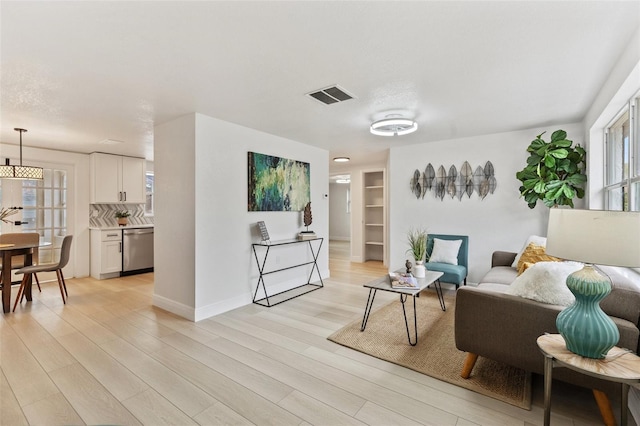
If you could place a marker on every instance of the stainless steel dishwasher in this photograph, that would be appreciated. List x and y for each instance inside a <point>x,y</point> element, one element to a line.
<point>137,250</point>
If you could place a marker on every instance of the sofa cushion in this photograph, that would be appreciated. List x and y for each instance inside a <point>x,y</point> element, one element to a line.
<point>500,275</point>
<point>445,251</point>
<point>532,255</point>
<point>537,240</point>
<point>624,299</point>
<point>545,282</point>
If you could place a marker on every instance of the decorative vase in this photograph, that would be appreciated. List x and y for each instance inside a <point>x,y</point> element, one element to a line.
<point>419,269</point>
<point>586,329</point>
<point>123,221</point>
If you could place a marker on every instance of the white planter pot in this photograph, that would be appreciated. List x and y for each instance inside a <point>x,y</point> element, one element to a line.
<point>419,270</point>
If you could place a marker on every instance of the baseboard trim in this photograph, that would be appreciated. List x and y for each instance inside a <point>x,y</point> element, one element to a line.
<point>174,307</point>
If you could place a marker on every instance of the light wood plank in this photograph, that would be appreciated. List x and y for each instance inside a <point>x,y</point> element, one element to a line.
<point>180,391</point>
<point>28,381</point>
<point>10,411</point>
<point>152,409</point>
<point>221,415</point>
<point>93,403</point>
<point>55,409</point>
<point>322,391</point>
<point>244,374</point>
<point>315,412</point>
<point>237,397</point>
<point>374,415</point>
<point>121,382</point>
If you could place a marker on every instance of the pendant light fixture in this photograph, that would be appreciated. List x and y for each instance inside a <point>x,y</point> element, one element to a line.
<point>393,125</point>
<point>7,171</point>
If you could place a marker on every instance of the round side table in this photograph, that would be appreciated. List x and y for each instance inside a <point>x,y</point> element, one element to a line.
<point>620,366</point>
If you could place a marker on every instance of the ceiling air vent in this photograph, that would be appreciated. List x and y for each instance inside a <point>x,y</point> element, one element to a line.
<point>330,95</point>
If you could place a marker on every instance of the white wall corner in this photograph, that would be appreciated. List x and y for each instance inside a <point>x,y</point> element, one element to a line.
<point>174,307</point>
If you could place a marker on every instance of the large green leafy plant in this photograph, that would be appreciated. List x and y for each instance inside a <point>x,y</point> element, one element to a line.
<point>554,171</point>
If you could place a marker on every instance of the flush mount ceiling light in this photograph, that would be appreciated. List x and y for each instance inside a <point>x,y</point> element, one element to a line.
<point>341,159</point>
<point>393,125</point>
<point>20,172</point>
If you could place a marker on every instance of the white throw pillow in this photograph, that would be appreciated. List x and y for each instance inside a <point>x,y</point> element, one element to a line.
<point>445,251</point>
<point>546,282</point>
<point>539,241</point>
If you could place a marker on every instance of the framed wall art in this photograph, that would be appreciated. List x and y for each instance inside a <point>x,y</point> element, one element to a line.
<point>277,184</point>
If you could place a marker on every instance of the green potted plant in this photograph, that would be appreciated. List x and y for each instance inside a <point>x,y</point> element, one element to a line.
<point>554,171</point>
<point>417,239</point>
<point>123,217</point>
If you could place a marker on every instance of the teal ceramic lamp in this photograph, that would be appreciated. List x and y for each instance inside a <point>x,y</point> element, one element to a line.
<point>593,237</point>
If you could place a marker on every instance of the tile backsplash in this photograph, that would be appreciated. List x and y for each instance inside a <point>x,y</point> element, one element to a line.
<point>103,215</point>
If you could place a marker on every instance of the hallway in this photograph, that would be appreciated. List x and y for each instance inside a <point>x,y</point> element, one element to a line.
<point>343,270</point>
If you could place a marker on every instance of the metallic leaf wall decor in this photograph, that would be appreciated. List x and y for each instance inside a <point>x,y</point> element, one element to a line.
<point>454,183</point>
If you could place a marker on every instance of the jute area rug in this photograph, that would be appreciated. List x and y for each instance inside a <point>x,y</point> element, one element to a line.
<point>435,354</point>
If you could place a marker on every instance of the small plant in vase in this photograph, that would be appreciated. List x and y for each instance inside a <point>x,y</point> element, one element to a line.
<point>123,217</point>
<point>417,239</point>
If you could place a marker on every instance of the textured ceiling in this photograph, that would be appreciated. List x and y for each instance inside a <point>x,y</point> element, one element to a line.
<point>76,73</point>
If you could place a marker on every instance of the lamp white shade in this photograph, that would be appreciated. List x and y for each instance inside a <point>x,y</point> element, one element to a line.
<point>595,236</point>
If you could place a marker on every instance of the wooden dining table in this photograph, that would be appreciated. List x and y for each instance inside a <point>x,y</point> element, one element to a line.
<point>8,251</point>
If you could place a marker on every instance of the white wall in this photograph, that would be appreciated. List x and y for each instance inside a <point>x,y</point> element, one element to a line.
<point>502,221</point>
<point>77,197</point>
<point>201,191</point>
<point>175,216</point>
<point>339,219</point>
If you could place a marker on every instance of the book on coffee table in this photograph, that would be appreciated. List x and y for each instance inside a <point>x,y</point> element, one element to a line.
<point>402,280</point>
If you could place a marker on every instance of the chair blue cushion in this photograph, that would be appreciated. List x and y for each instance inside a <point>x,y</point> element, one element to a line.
<point>454,274</point>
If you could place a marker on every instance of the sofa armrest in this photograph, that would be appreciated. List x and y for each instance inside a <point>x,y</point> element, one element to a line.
<point>502,258</point>
<point>505,328</point>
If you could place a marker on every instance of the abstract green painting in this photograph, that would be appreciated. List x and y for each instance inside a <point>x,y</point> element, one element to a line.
<point>277,184</point>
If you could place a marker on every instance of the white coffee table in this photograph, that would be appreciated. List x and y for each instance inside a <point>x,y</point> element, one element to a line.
<point>384,284</point>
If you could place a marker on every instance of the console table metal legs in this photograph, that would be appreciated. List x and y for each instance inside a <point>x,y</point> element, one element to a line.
<point>261,269</point>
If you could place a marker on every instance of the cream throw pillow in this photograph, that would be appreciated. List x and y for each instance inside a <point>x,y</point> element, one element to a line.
<point>539,241</point>
<point>445,251</point>
<point>546,282</point>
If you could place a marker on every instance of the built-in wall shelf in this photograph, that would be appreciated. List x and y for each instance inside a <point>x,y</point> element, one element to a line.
<point>374,215</point>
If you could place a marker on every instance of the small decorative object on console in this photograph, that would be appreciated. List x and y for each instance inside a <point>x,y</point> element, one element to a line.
<point>307,235</point>
<point>264,234</point>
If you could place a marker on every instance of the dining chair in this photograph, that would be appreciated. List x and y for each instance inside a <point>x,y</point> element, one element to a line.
<point>17,262</point>
<point>49,267</point>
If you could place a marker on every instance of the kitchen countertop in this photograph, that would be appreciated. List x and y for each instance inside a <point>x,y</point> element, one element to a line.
<point>111,228</point>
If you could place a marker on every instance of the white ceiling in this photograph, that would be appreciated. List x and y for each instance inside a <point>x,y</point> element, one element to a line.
<point>76,73</point>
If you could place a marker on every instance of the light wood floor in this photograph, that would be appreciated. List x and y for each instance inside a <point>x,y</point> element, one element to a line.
<point>109,357</point>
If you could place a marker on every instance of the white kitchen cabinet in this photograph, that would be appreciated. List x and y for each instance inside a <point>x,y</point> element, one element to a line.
<point>106,253</point>
<point>117,179</point>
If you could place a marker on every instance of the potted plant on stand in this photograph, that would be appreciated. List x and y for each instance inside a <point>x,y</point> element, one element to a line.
<point>123,217</point>
<point>417,239</point>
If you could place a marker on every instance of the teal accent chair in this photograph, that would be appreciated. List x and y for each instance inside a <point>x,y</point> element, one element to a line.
<point>454,274</point>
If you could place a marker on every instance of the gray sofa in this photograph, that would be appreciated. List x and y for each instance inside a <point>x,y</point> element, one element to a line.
<point>504,327</point>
